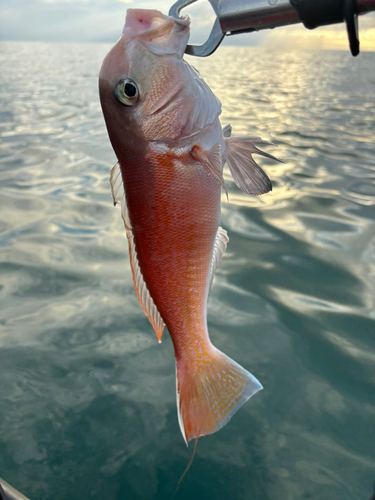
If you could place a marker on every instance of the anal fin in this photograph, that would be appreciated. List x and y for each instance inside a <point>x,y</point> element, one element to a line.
<point>220,245</point>
<point>144,297</point>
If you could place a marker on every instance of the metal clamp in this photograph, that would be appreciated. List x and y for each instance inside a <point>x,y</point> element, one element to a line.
<point>7,492</point>
<point>243,16</point>
<point>215,38</point>
<point>239,16</point>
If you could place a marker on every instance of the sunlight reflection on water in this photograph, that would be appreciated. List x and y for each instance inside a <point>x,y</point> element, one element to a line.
<point>87,399</point>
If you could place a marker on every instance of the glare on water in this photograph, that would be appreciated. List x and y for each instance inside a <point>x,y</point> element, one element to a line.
<point>87,396</point>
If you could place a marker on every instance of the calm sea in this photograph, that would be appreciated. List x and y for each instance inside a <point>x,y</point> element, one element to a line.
<point>87,396</point>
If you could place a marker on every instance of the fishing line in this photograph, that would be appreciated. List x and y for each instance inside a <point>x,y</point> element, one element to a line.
<point>187,468</point>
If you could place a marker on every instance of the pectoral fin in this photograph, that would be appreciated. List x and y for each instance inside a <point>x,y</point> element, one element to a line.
<point>248,176</point>
<point>211,161</point>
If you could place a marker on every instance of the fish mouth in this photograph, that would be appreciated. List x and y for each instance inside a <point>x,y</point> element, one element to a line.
<point>161,33</point>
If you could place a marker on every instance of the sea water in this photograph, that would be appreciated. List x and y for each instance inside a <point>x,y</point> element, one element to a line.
<point>87,395</point>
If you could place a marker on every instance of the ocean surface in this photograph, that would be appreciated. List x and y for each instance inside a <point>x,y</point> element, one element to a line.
<point>87,396</point>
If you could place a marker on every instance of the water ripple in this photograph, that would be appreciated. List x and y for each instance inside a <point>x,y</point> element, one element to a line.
<point>87,398</point>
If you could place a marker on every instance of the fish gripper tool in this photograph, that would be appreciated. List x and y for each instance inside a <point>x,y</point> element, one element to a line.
<point>244,16</point>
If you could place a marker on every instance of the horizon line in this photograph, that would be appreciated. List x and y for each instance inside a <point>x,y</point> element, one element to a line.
<point>252,46</point>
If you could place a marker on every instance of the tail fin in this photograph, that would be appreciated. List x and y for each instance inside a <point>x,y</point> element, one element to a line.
<point>210,393</point>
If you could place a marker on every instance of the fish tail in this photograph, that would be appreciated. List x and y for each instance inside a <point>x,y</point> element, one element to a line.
<point>209,392</point>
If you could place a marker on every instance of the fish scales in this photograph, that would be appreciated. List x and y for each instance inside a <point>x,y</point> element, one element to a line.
<point>162,121</point>
<point>174,229</point>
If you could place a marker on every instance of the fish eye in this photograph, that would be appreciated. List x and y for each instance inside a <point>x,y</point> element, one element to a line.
<point>126,91</point>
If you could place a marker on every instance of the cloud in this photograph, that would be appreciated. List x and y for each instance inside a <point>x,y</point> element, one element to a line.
<point>326,37</point>
<point>67,20</point>
<point>69,1</point>
<point>102,21</point>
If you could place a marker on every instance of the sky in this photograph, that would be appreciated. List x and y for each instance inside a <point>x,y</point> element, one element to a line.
<point>102,21</point>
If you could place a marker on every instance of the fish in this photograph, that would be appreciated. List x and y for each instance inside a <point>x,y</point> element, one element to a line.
<point>163,123</point>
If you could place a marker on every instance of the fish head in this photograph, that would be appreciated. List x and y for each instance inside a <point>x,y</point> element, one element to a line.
<point>143,85</point>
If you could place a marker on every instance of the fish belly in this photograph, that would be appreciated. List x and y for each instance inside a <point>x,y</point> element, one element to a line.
<point>174,210</point>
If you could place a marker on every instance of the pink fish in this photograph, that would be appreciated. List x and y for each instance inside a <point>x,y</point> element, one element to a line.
<point>162,120</point>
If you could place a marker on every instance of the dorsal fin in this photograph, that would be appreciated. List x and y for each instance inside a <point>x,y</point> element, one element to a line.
<point>220,245</point>
<point>144,297</point>
<point>227,130</point>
